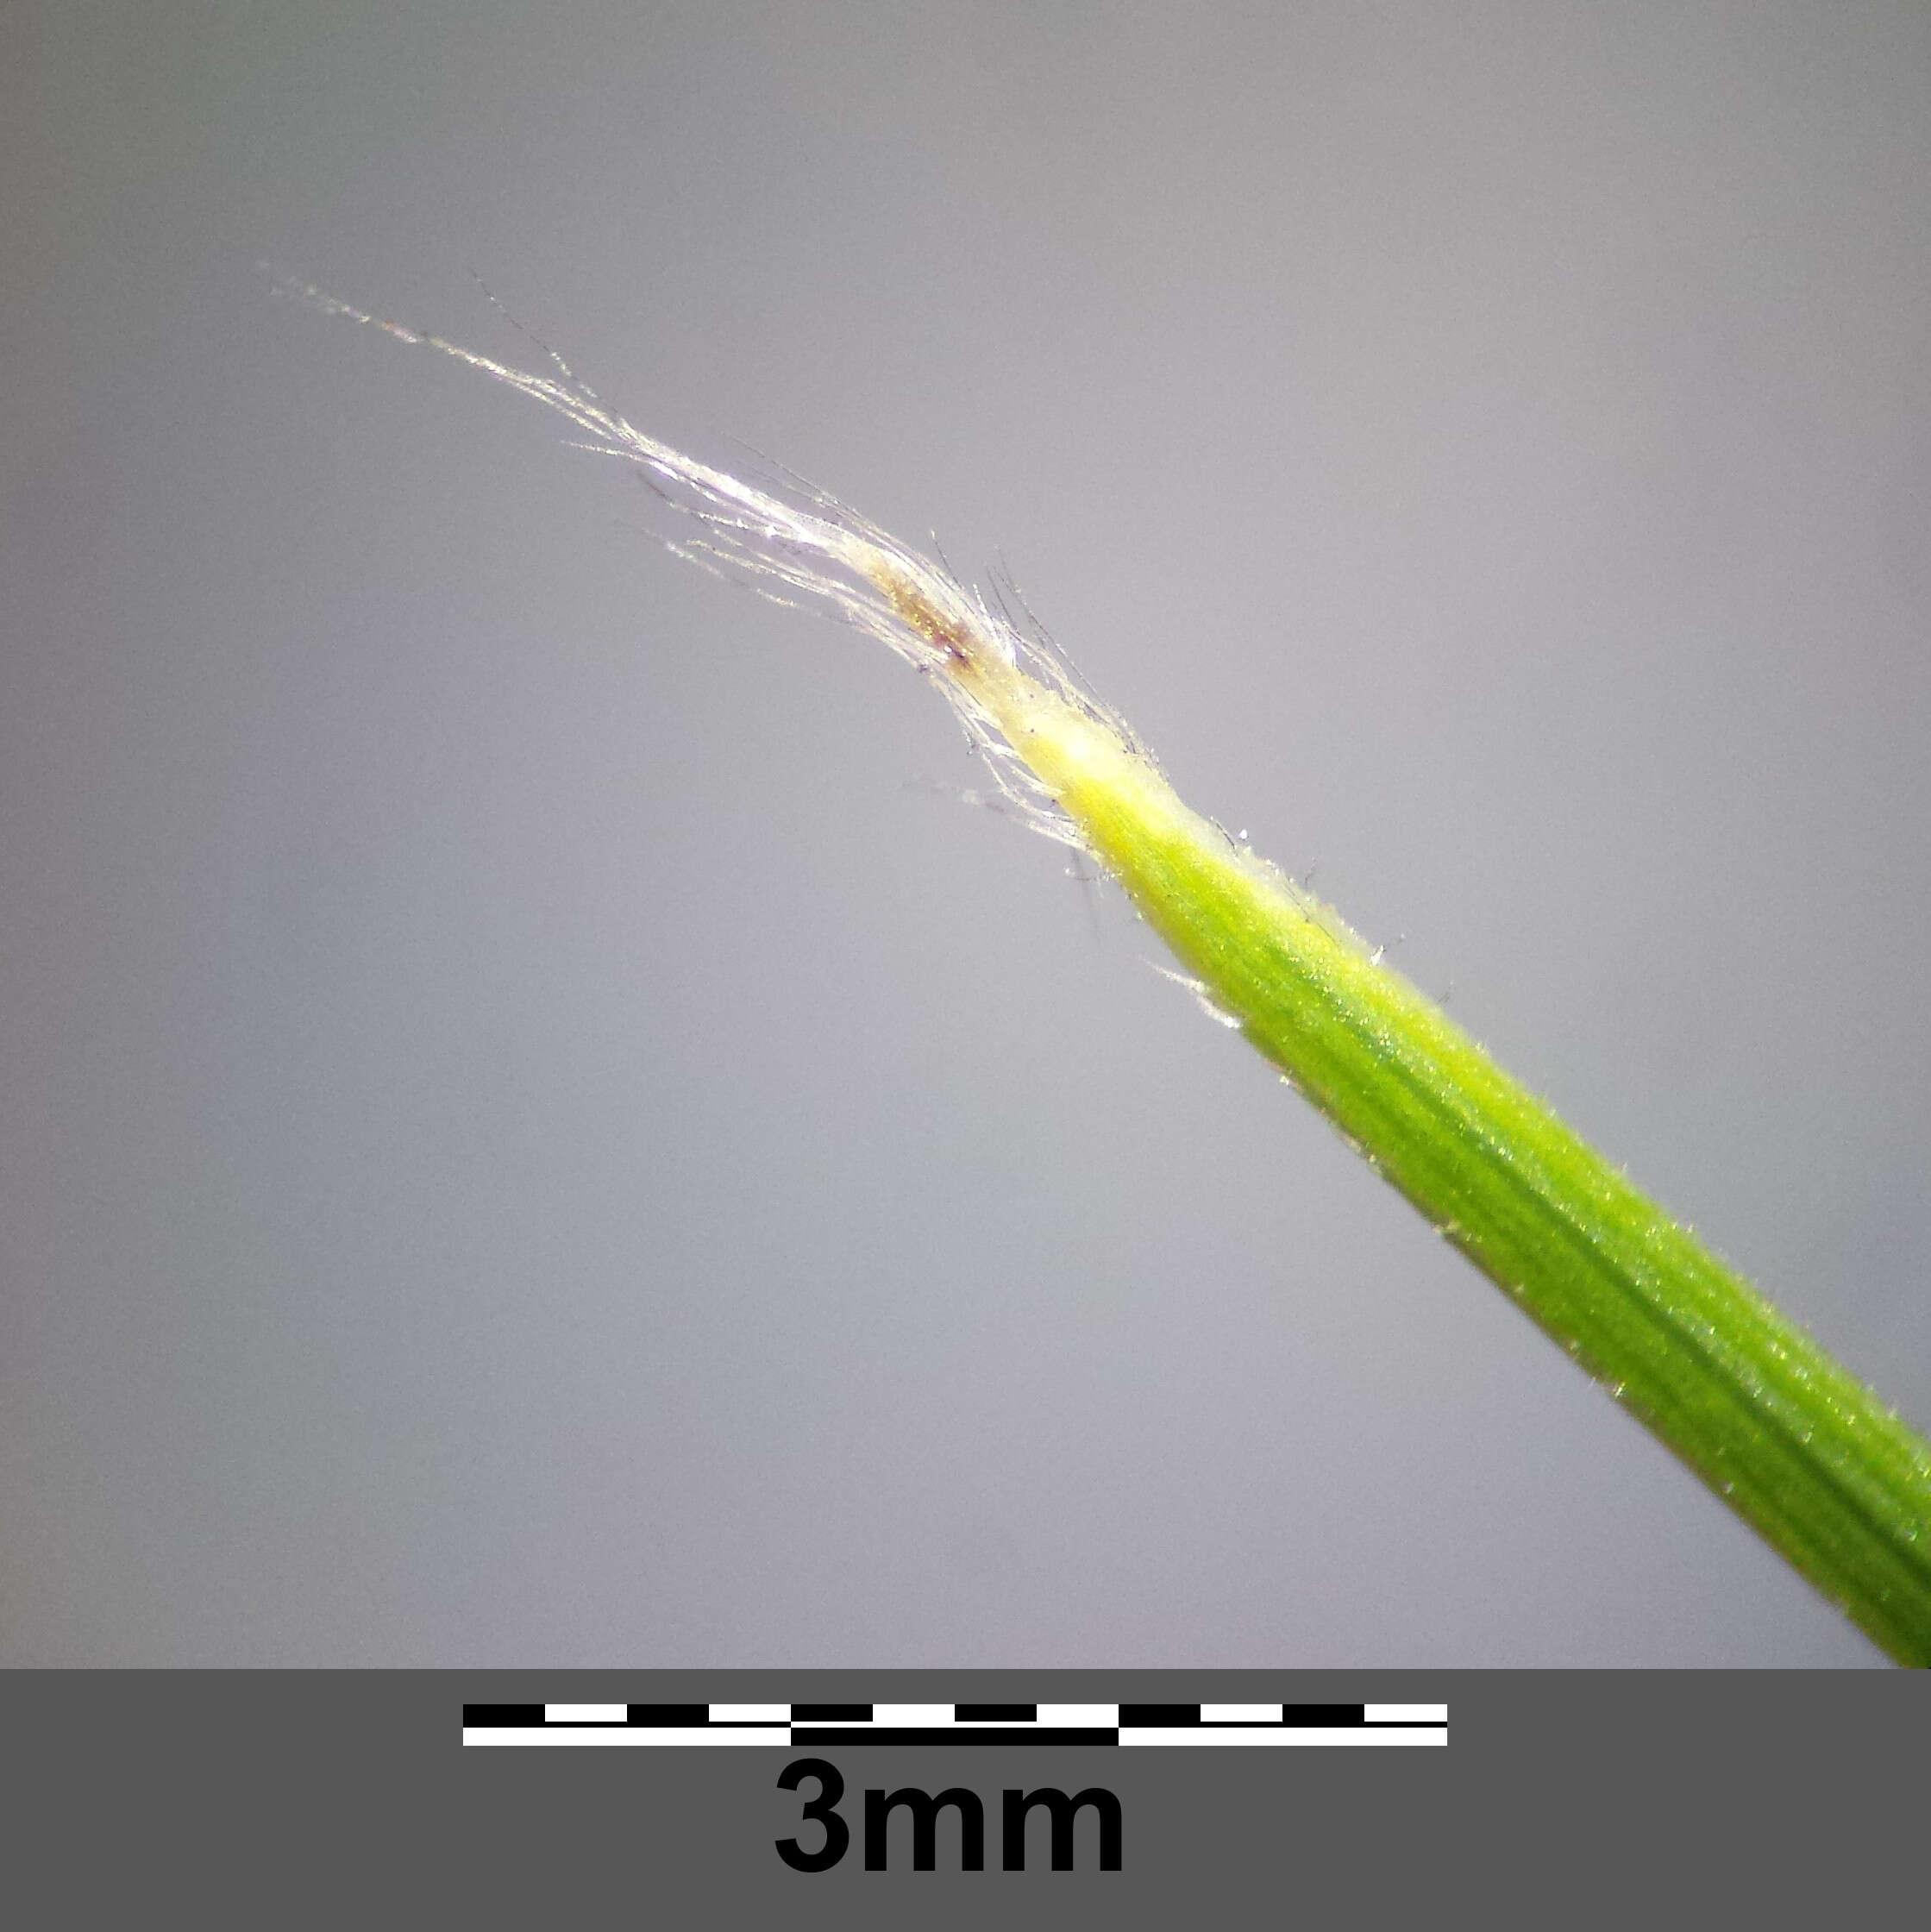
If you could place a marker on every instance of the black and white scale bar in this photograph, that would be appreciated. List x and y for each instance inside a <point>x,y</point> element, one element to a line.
<point>829,1726</point>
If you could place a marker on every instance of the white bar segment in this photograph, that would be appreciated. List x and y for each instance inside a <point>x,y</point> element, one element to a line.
<point>1288,1734</point>
<point>1405,1714</point>
<point>750,1714</point>
<point>1080,1715</point>
<point>1240,1714</point>
<point>904,1717</point>
<point>585,1714</point>
<point>632,1735</point>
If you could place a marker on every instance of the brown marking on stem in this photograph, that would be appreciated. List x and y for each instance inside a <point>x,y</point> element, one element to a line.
<point>963,653</point>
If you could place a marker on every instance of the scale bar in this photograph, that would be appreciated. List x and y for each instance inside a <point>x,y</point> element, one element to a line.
<point>829,1726</point>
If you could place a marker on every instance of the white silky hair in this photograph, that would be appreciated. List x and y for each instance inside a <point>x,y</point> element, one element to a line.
<point>791,537</point>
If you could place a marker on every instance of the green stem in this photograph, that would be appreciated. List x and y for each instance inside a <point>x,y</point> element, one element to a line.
<point>1796,1446</point>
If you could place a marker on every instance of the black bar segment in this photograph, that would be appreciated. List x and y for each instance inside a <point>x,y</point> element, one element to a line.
<point>498,1716</point>
<point>830,1713</point>
<point>1302,1715</point>
<point>996,1714</point>
<point>803,1736</point>
<point>657,1717</point>
<point>1157,1717</point>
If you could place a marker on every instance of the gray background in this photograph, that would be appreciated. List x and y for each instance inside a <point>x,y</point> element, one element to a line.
<point>531,1133</point>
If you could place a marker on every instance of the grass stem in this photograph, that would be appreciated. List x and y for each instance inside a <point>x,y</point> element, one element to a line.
<point>1796,1446</point>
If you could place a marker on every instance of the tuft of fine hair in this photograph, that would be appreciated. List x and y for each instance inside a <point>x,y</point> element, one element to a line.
<point>798,545</point>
